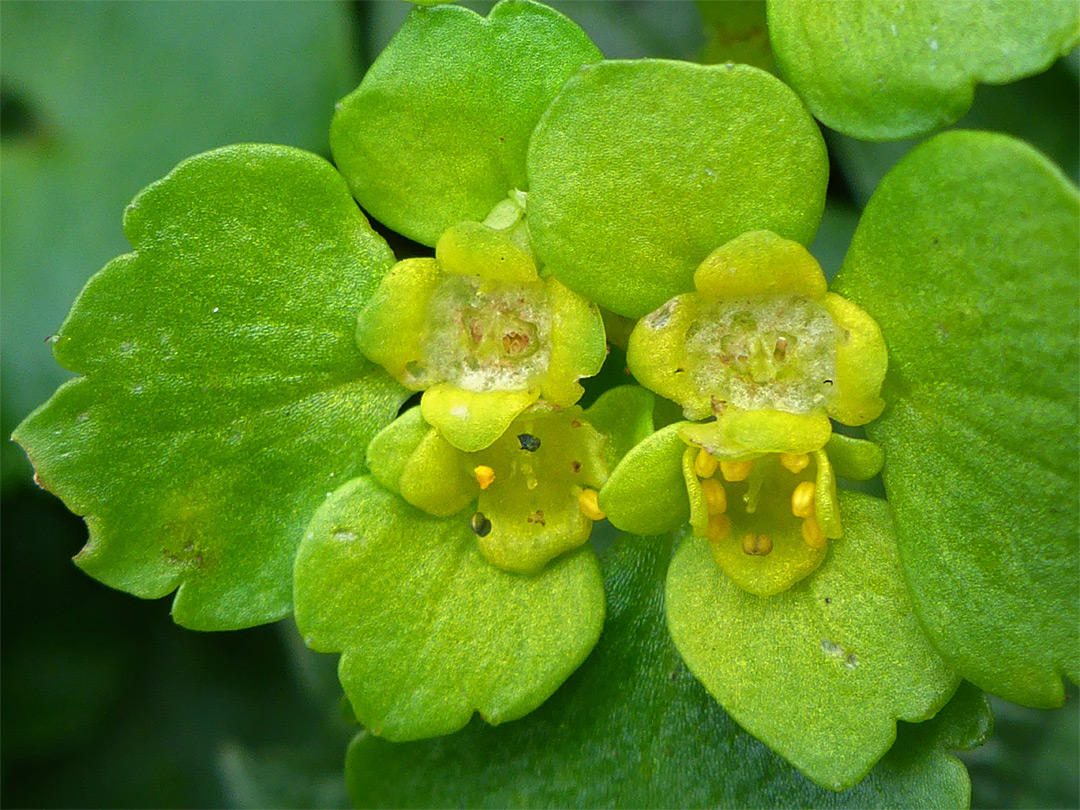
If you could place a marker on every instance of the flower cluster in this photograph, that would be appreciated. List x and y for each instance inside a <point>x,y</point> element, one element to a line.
<point>767,355</point>
<point>443,549</point>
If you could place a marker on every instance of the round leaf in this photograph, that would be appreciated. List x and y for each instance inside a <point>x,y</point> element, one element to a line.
<point>884,70</point>
<point>632,728</point>
<point>854,459</point>
<point>428,629</point>
<point>967,258</point>
<point>646,492</point>
<point>168,81</point>
<point>223,395</point>
<point>436,132</point>
<point>639,170</point>
<point>822,671</point>
<point>625,415</point>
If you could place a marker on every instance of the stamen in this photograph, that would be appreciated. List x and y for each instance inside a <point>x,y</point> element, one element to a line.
<point>811,533</point>
<point>589,504</point>
<point>705,464</point>
<point>719,528</point>
<point>528,442</point>
<point>802,500</point>
<point>795,462</point>
<point>480,524</point>
<point>736,470</point>
<point>484,476</point>
<point>757,545</point>
<point>715,496</point>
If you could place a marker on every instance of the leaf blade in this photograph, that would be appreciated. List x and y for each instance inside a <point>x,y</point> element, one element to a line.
<point>625,144</point>
<point>917,65</point>
<point>436,133</point>
<point>219,377</point>
<point>632,728</point>
<point>982,398</point>
<point>429,631</point>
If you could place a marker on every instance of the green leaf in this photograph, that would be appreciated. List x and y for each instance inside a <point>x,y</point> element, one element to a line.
<point>430,631</point>
<point>222,394</point>
<point>625,415</point>
<point>646,492</point>
<point>966,722</point>
<point>115,95</point>
<point>640,169</point>
<point>822,671</point>
<point>967,258</point>
<point>436,133</point>
<point>913,67</point>
<point>1042,110</point>
<point>632,728</point>
<point>854,459</point>
<point>389,450</point>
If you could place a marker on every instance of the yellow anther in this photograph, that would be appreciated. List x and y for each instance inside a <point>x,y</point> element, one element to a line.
<point>795,462</point>
<point>811,533</point>
<point>802,500</point>
<point>715,496</point>
<point>484,476</point>
<point>705,464</point>
<point>736,470</point>
<point>757,545</point>
<point>719,528</point>
<point>589,504</point>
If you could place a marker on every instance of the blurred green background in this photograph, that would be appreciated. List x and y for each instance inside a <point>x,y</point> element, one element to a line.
<point>103,701</point>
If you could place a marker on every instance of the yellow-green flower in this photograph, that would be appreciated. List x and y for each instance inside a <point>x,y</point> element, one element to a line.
<point>481,333</point>
<point>535,488</point>
<point>767,515</point>
<point>764,348</point>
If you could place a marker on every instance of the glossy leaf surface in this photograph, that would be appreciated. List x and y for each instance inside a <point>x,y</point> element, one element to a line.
<point>822,671</point>
<point>967,257</point>
<point>430,631</point>
<point>437,131</point>
<point>222,395</point>
<point>886,69</point>
<point>640,169</point>
<point>632,728</point>
<point>100,98</point>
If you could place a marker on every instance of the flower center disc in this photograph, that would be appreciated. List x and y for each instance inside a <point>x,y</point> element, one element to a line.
<point>487,335</point>
<point>774,352</point>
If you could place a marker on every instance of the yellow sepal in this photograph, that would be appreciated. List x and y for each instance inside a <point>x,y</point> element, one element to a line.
<point>760,263</point>
<point>393,324</point>
<point>472,420</point>
<point>578,344</point>
<point>435,478</point>
<point>738,434</point>
<point>473,249</point>
<point>656,354</point>
<point>861,362</point>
